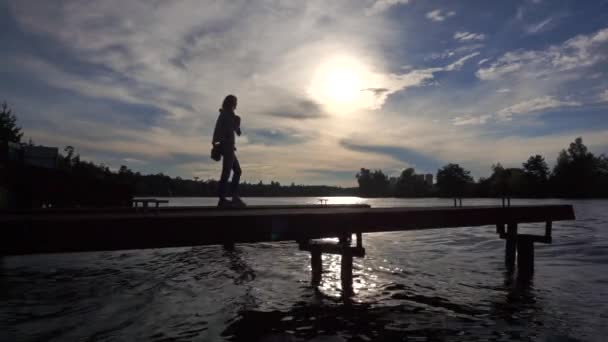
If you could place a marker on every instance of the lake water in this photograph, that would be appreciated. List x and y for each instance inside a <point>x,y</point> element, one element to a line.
<point>432,285</point>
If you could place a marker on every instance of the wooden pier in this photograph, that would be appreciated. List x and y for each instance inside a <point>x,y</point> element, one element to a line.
<point>65,230</point>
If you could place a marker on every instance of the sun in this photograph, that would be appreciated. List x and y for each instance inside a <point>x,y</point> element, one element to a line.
<point>342,84</point>
<point>337,83</point>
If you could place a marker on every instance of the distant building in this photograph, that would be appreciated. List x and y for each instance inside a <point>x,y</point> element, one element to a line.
<point>39,156</point>
<point>428,179</point>
<point>419,178</point>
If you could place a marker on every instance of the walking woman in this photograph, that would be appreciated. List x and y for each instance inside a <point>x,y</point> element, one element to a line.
<point>228,123</point>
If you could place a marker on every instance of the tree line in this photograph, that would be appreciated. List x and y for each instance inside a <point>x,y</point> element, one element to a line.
<point>577,173</point>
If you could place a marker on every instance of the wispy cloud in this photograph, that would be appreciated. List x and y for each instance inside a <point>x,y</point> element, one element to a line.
<point>470,120</point>
<point>539,27</point>
<point>534,106</point>
<point>464,36</point>
<point>439,15</point>
<point>485,60</point>
<point>603,97</point>
<point>134,161</point>
<point>380,6</point>
<point>580,51</point>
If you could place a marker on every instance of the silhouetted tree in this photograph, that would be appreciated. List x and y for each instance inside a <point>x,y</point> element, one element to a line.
<point>537,168</point>
<point>409,184</point>
<point>372,184</point>
<point>453,180</point>
<point>9,131</point>
<point>71,158</point>
<point>576,171</point>
<point>536,173</point>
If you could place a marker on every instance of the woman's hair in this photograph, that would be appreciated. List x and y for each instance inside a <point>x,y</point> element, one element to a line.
<point>229,102</point>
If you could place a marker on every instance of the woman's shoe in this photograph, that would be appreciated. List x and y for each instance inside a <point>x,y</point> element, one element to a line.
<point>237,202</point>
<point>224,203</point>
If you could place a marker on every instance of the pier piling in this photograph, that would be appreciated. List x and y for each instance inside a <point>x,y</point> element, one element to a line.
<point>511,246</point>
<point>525,256</point>
<point>316,264</point>
<point>346,270</point>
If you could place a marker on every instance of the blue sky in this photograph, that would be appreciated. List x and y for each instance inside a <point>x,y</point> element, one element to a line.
<point>324,88</point>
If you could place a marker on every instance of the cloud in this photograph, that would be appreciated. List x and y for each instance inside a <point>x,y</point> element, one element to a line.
<point>470,120</point>
<point>300,109</point>
<point>439,15</point>
<point>534,106</point>
<point>603,97</point>
<point>449,53</point>
<point>380,6</point>
<point>134,161</point>
<point>483,61</point>
<point>377,91</point>
<point>578,52</point>
<point>271,136</point>
<point>464,36</point>
<point>539,27</point>
<point>460,62</point>
<point>409,156</point>
<point>414,78</point>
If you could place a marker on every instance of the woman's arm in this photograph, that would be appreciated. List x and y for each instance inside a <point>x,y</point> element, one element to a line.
<point>237,125</point>
<point>217,132</point>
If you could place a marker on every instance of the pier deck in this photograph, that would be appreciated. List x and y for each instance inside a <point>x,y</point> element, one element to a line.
<point>48,232</point>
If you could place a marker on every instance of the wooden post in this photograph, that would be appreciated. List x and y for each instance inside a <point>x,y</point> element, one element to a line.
<point>359,239</point>
<point>548,229</point>
<point>525,257</point>
<point>511,246</point>
<point>316,265</point>
<point>500,229</point>
<point>346,272</point>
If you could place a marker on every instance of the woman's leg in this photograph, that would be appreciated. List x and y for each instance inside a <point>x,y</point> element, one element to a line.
<point>227,164</point>
<point>236,177</point>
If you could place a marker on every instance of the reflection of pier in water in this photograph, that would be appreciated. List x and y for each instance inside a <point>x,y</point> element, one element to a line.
<point>47,231</point>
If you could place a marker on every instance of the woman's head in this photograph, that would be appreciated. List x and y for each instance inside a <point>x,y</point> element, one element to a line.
<point>229,103</point>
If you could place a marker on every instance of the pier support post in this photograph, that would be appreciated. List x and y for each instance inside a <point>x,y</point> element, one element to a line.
<point>548,229</point>
<point>316,264</point>
<point>346,272</point>
<point>525,256</point>
<point>359,240</point>
<point>511,246</point>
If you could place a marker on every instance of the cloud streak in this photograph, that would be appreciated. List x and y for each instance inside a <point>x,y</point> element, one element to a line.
<point>439,15</point>
<point>534,106</point>
<point>578,52</point>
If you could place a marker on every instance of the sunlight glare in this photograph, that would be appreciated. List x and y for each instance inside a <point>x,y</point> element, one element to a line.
<point>338,83</point>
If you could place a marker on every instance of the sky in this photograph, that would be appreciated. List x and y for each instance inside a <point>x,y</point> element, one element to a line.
<point>324,87</point>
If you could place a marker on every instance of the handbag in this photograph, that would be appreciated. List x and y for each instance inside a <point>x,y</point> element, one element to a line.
<point>216,154</point>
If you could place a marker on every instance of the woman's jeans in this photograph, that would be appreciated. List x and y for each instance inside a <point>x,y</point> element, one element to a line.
<point>229,163</point>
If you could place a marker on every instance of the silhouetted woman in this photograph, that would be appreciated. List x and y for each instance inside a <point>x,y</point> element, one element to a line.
<point>228,123</point>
